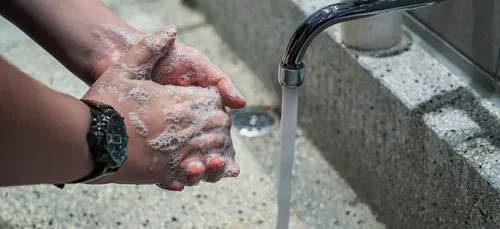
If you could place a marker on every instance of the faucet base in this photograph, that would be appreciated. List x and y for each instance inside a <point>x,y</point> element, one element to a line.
<point>403,46</point>
<point>372,34</point>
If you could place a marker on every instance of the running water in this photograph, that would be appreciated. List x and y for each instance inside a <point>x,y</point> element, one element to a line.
<point>288,130</point>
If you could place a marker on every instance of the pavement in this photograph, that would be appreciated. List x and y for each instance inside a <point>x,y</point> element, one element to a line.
<point>321,199</point>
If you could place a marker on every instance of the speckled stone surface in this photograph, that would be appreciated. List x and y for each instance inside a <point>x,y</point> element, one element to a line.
<point>415,141</point>
<point>322,199</point>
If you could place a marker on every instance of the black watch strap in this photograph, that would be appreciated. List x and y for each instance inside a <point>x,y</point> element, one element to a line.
<point>100,171</point>
<point>98,138</point>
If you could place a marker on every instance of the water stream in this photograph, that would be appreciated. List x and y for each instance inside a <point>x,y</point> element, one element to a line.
<point>288,129</point>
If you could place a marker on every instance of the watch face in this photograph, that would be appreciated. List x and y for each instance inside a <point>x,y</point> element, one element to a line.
<point>117,138</point>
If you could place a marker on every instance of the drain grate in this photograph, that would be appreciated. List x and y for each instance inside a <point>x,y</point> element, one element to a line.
<point>253,121</point>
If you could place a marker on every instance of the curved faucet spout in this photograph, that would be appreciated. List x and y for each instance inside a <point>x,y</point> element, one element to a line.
<point>292,67</point>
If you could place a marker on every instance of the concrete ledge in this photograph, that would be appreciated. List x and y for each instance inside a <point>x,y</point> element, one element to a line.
<point>414,141</point>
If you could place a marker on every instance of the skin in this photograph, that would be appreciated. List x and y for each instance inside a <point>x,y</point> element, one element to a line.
<point>63,155</point>
<point>34,111</point>
<point>70,31</point>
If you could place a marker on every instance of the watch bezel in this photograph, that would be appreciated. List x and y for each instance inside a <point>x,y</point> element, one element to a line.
<point>110,138</point>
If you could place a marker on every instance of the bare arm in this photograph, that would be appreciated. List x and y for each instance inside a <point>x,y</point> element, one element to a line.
<point>65,29</point>
<point>42,132</point>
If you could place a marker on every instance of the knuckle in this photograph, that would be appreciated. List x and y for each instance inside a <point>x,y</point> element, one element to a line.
<point>219,141</point>
<point>224,119</point>
<point>229,122</point>
<point>198,145</point>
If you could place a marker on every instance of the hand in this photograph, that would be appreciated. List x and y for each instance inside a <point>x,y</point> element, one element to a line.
<point>182,65</point>
<point>178,135</point>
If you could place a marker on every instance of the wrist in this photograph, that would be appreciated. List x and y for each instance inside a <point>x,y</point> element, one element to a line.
<point>98,45</point>
<point>79,162</point>
<point>65,29</point>
<point>107,143</point>
<point>108,43</point>
<point>43,133</point>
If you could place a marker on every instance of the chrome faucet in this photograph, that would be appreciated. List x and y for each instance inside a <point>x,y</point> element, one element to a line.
<point>291,69</point>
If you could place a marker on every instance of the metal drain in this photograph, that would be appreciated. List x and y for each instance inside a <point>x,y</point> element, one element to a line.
<point>253,121</point>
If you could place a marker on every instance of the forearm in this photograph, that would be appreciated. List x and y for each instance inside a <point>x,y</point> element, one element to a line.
<point>43,132</point>
<point>66,29</point>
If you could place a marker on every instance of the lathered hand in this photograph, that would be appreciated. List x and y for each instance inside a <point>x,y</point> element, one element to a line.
<point>178,135</point>
<point>181,65</point>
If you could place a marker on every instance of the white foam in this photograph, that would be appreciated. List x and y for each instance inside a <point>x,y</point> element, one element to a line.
<point>139,95</point>
<point>139,125</point>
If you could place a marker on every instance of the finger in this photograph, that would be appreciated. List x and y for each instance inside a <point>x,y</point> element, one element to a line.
<point>194,155</point>
<point>180,67</point>
<point>172,186</point>
<point>208,97</point>
<point>181,93</point>
<point>173,69</point>
<point>230,95</point>
<point>170,178</point>
<point>195,173</point>
<point>140,59</point>
<point>232,168</point>
<point>173,140</point>
<point>215,165</point>
<point>200,145</point>
<point>218,120</point>
<point>214,76</point>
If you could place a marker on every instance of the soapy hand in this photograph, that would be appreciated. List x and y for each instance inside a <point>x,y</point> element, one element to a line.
<point>181,65</point>
<point>179,135</point>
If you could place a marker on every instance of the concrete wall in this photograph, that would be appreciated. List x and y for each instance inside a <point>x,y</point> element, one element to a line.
<point>414,141</point>
<point>471,26</point>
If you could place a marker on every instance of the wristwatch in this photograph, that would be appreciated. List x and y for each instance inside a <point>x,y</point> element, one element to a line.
<point>107,140</point>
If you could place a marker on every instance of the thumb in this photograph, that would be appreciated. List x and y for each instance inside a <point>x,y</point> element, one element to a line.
<point>139,61</point>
